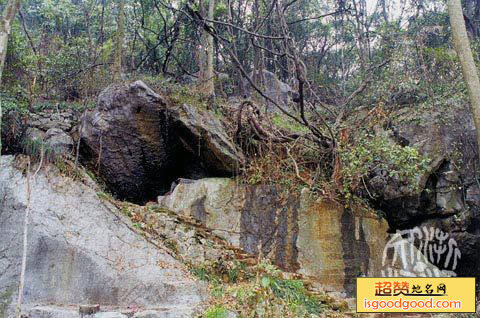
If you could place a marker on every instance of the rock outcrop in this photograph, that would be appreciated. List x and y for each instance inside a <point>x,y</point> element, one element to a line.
<point>140,144</point>
<point>80,249</point>
<point>50,128</point>
<point>318,239</point>
<point>54,118</point>
<point>188,239</point>
<point>448,196</point>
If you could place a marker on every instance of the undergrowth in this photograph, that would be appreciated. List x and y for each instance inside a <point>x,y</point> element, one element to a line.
<point>368,153</point>
<point>259,291</point>
<point>42,154</point>
<point>364,150</point>
<point>282,121</point>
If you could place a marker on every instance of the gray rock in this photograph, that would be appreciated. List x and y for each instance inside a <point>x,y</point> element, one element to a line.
<point>318,239</point>
<point>189,240</point>
<point>231,314</point>
<point>204,138</point>
<point>147,314</point>
<point>166,313</point>
<point>109,315</point>
<point>473,195</point>
<point>448,190</point>
<point>19,129</point>
<point>447,197</point>
<point>143,144</point>
<point>51,312</point>
<point>80,249</point>
<point>53,119</point>
<point>35,134</point>
<point>66,312</point>
<point>57,140</point>
<point>88,309</point>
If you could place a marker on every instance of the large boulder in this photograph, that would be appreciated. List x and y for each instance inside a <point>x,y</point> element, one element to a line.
<point>79,250</point>
<point>447,198</point>
<point>447,139</point>
<point>313,237</point>
<point>140,143</point>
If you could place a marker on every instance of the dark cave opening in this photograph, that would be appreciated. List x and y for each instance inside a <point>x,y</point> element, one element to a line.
<point>406,212</point>
<point>183,156</point>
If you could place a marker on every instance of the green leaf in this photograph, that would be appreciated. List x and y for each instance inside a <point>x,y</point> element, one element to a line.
<point>265,282</point>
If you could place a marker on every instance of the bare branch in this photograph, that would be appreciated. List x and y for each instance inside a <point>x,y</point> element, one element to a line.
<point>319,16</point>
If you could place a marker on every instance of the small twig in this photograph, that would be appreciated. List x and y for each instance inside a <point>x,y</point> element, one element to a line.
<point>297,172</point>
<point>319,17</point>
<point>366,188</point>
<point>42,154</point>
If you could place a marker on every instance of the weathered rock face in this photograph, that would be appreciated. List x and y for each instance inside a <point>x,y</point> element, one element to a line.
<point>60,119</point>
<point>58,141</point>
<point>80,250</point>
<point>449,194</point>
<point>277,90</point>
<point>444,142</point>
<point>141,144</point>
<point>191,242</point>
<point>244,216</point>
<point>337,245</point>
<point>204,140</point>
<point>315,238</point>
<point>70,312</point>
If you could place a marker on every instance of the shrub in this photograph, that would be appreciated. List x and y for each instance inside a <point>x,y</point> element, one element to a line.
<point>369,153</point>
<point>216,312</point>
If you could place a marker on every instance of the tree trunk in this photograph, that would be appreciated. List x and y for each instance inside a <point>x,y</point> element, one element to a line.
<point>469,70</point>
<point>205,54</point>
<point>384,10</point>
<point>257,54</point>
<point>210,87</point>
<point>9,13</point>
<point>120,36</point>
<point>201,52</point>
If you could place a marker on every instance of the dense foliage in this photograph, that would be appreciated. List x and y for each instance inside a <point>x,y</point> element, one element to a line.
<point>65,48</point>
<point>349,64</point>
